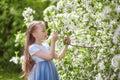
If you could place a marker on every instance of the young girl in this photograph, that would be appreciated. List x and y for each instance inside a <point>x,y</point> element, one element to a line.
<point>38,58</point>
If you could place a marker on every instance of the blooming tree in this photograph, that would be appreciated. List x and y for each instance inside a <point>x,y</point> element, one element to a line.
<point>94,28</point>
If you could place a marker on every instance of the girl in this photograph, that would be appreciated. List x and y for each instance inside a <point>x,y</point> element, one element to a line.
<point>38,58</point>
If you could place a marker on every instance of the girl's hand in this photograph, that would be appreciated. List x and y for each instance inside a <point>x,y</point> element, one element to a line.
<point>67,40</point>
<point>54,37</point>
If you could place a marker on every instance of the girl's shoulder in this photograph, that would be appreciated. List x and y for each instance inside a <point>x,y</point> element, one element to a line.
<point>34,46</point>
<point>37,46</point>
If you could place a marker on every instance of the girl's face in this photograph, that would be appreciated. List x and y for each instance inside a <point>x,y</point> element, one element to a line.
<point>41,33</point>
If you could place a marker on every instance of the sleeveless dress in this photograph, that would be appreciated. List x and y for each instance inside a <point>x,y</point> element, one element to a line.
<point>43,69</point>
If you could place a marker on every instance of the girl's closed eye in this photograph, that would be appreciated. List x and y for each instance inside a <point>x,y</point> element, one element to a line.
<point>43,31</point>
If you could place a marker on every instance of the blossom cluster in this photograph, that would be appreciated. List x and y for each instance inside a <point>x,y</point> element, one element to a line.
<point>18,60</point>
<point>28,15</point>
<point>88,23</point>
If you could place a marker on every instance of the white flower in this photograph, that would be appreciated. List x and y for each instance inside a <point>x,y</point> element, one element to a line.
<point>112,50</point>
<point>115,40</point>
<point>113,76</point>
<point>113,22</point>
<point>102,49</point>
<point>31,18</point>
<point>51,9</point>
<point>116,61</point>
<point>119,76</point>
<point>98,77</point>
<point>106,10</point>
<point>98,4</point>
<point>14,59</point>
<point>60,5</point>
<point>116,35</point>
<point>22,58</point>
<point>79,56</point>
<point>117,9</point>
<point>28,12</point>
<point>101,65</point>
<point>28,15</point>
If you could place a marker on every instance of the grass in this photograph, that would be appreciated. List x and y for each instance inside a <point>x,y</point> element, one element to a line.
<point>9,75</point>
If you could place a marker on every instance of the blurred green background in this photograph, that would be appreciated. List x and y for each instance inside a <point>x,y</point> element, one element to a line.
<point>11,21</point>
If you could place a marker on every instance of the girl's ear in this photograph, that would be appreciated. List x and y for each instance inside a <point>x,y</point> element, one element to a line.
<point>34,34</point>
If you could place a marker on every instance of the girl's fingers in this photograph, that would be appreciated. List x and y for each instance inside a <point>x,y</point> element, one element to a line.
<point>54,37</point>
<point>68,40</point>
<point>65,38</point>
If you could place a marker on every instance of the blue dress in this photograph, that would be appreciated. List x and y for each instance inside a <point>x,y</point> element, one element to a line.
<point>43,69</point>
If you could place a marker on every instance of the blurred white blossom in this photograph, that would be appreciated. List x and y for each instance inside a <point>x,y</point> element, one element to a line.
<point>22,61</point>
<point>116,61</point>
<point>99,77</point>
<point>22,58</point>
<point>14,59</point>
<point>119,76</point>
<point>117,8</point>
<point>101,65</point>
<point>113,76</point>
<point>28,15</point>
<point>116,35</point>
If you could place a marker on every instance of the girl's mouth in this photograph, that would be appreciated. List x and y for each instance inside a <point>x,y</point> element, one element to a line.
<point>45,36</point>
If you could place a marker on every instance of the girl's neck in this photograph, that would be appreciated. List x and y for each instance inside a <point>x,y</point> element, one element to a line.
<point>38,42</point>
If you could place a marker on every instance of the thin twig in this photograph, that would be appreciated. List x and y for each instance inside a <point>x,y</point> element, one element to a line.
<point>82,46</point>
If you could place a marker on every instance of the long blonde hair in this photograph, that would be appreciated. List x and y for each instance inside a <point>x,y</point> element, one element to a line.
<point>29,62</point>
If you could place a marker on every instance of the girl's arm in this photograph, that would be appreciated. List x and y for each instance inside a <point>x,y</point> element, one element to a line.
<point>45,56</point>
<point>49,56</point>
<point>62,53</point>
